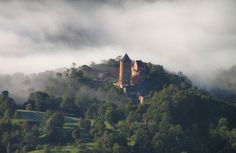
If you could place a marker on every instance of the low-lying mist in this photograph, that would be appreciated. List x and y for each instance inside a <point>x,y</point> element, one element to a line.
<point>21,85</point>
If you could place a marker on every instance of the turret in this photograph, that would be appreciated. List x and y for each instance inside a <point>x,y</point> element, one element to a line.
<point>125,71</point>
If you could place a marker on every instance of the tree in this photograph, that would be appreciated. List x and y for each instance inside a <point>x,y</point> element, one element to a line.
<point>76,135</point>
<point>53,127</point>
<point>85,149</point>
<point>223,136</point>
<point>68,105</point>
<point>7,104</point>
<point>2,149</point>
<point>110,138</point>
<point>84,123</point>
<point>91,112</point>
<point>98,128</point>
<point>29,106</point>
<point>39,100</point>
<point>120,149</point>
<point>114,116</point>
<point>143,141</point>
<point>5,93</point>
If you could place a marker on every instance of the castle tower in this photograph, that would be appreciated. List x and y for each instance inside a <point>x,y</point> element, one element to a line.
<point>125,71</point>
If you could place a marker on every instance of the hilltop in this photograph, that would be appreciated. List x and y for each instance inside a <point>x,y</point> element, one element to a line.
<point>96,108</point>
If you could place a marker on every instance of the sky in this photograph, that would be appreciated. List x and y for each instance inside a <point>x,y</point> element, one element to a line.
<point>197,37</point>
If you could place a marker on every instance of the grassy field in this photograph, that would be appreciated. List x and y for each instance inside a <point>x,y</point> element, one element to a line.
<point>69,124</point>
<point>36,116</point>
<point>25,115</point>
<point>64,149</point>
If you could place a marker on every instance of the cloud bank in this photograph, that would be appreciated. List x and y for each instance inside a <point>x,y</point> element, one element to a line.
<point>195,37</point>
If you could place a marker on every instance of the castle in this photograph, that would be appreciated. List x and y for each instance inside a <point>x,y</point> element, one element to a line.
<point>132,78</point>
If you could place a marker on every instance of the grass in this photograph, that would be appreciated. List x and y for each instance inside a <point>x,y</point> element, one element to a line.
<point>108,126</point>
<point>131,142</point>
<point>25,115</point>
<point>64,149</point>
<point>69,148</point>
<point>69,124</point>
<point>36,116</point>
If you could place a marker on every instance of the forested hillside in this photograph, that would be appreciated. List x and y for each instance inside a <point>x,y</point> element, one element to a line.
<point>80,111</point>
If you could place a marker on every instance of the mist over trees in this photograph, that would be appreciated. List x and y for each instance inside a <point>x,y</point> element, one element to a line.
<point>20,85</point>
<point>224,84</point>
<point>81,108</point>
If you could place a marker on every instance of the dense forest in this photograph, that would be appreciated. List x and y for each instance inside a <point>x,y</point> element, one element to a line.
<point>80,111</point>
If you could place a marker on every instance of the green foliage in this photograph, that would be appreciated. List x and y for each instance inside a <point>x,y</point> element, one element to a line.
<point>82,107</point>
<point>53,126</point>
<point>157,78</point>
<point>98,128</point>
<point>223,136</point>
<point>76,135</point>
<point>41,101</point>
<point>68,105</point>
<point>114,116</point>
<point>120,149</point>
<point>7,105</point>
<point>113,140</point>
<point>85,123</point>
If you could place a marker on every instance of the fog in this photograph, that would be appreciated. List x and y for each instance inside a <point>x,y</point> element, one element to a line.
<point>197,37</point>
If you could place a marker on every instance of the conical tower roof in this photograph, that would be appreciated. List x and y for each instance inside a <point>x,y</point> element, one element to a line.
<point>126,59</point>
